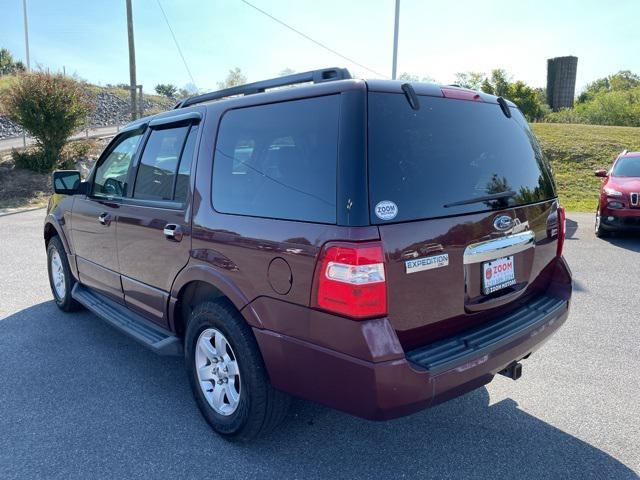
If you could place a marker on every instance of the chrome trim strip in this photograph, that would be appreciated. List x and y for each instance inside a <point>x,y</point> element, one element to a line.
<point>499,247</point>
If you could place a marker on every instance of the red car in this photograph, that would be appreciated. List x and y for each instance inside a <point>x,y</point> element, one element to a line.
<point>619,205</point>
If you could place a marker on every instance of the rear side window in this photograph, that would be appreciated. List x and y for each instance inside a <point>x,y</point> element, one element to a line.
<point>450,151</point>
<point>184,169</point>
<point>279,161</point>
<point>159,164</point>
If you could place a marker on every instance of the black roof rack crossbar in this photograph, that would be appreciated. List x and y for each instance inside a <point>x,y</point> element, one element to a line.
<point>315,76</point>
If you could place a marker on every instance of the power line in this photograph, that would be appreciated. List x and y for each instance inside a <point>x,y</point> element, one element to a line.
<point>175,40</point>
<point>311,39</point>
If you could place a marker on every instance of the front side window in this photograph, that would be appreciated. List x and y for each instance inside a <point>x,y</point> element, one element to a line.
<point>159,164</point>
<point>111,174</point>
<point>279,161</point>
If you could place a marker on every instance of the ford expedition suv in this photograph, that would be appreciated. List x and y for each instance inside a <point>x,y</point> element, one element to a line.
<point>375,246</point>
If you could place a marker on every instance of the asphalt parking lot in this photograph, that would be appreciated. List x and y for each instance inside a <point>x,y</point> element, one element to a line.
<point>80,400</point>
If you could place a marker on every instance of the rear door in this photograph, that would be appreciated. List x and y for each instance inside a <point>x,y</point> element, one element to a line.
<point>465,205</point>
<point>154,232</point>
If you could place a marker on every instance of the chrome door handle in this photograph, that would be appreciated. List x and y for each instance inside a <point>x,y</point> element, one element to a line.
<point>173,232</point>
<point>105,218</point>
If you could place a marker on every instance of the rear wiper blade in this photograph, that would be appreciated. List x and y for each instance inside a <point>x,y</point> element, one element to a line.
<point>410,95</point>
<point>485,198</point>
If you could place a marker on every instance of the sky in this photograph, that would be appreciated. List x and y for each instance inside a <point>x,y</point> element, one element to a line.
<point>436,39</point>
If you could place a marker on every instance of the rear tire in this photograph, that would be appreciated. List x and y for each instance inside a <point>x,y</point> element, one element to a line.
<point>600,232</point>
<point>61,280</point>
<point>245,405</point>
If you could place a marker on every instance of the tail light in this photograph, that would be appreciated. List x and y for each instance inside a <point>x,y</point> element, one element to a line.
<point>350,280</point>
<point>562,229</point>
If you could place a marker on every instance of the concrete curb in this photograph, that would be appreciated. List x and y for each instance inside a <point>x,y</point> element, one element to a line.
<point>7,212</point>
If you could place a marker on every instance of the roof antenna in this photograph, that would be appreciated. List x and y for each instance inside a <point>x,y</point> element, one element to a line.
<point>505,108</point>
<point>410,93</point>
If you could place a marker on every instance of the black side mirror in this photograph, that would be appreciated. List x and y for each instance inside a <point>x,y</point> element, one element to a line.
<point>67,182</point>
<point>601,173</point>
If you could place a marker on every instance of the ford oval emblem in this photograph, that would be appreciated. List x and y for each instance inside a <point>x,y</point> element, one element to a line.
<point>503,222</point>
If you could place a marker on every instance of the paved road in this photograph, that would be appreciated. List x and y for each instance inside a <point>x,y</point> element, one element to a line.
<point>17,142</point>
<point>80,400</point>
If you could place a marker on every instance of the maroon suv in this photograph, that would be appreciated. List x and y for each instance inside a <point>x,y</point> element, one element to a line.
<point>375,246</point>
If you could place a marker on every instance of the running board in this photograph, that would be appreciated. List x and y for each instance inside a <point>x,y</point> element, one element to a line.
<point>159,340</point>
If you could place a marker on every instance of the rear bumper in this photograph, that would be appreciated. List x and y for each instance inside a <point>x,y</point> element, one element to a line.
<point>405,383</point>
<point>385,390</point>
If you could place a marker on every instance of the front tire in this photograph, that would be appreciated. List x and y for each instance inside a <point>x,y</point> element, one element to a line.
<point>228,376</point>
<point>599,231</point>
<point>60,278</point>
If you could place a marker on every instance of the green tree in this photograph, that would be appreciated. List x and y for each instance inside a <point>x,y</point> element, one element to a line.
<point>500,82</point>
<point>166,89</point>
<point>50,108</point>
<point>541,94</point>
<point>286,71</point>
<point>189,90</point>
<point>234,78</point>
<point>408,77</point>
<point>471,80</point>
<point>599,85</point>
<point>529,100</point>
<point>623,81</point>
<point>526,99</point>
<point>7,65</point>
<point>486,87</point>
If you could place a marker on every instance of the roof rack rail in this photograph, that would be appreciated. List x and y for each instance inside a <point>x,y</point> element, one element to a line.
<point>315,76</point>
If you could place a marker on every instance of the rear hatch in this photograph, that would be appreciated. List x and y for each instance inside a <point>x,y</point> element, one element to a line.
<point>466,208</point>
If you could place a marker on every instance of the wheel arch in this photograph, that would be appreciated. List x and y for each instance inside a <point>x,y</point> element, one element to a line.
<point>198,283</point>
<point>53,228</point>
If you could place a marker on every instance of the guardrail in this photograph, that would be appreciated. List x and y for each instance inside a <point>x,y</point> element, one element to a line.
<point>22,141</point>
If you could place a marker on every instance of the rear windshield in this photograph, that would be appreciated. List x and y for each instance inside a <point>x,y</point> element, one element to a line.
<point>627,167</point>
<point>449,151</point>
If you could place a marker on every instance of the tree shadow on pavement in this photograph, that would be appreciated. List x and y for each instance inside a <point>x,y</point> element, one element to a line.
<point>81,400</point>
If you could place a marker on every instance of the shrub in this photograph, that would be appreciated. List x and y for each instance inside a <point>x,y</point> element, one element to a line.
<point>80,149</point>
<point>168,90</point>
<point>50,108</point>
<point>612,107</point>
<point>32,159</point>
<point>73,152</point>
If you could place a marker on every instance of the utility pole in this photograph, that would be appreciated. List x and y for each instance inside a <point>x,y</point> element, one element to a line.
<point>132,61</point>
<point>395,42</point>
<point>26,32</point>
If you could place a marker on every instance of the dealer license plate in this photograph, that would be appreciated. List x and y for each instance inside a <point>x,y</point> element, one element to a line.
<point>498,274</point>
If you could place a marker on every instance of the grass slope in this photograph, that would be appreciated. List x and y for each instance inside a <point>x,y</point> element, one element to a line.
<point>575,151</point>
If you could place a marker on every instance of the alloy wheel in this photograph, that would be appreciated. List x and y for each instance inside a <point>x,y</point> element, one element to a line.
<point>218,372</point>
<point>57,275</point>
